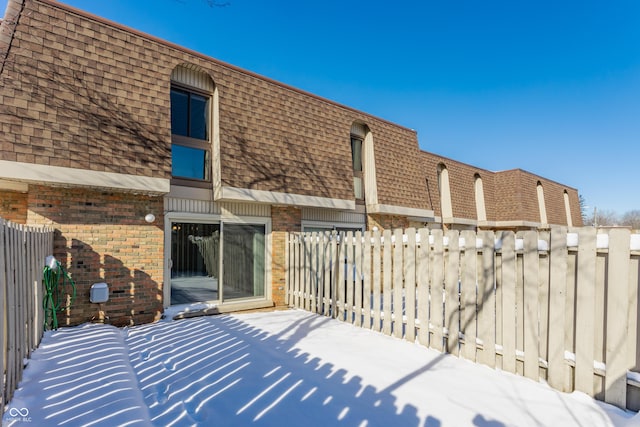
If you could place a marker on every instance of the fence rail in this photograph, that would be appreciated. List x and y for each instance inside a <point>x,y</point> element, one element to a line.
<point>554,305</point>
<point>22,253</point>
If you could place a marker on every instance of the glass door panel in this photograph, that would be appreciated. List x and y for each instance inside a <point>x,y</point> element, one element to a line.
<point>195,260</point>
<point>244,258</point>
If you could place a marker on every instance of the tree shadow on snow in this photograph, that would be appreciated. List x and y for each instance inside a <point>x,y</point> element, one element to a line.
<point>220,370</point>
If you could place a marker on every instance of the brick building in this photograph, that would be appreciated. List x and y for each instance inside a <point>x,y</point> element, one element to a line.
<point>174,177</point>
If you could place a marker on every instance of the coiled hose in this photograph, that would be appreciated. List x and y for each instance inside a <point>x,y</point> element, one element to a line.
<point>57,283</point>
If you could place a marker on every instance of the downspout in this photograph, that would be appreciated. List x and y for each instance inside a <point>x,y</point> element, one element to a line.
<point>12,15</point>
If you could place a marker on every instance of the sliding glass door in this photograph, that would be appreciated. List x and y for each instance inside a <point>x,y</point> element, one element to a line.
<point>214,262</point>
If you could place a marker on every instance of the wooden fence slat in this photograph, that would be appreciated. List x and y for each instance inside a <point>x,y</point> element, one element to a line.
<point>451,286</point>
<point>357,273</point>
<point>398,300</point>
<point>340,285</point>
<point>633,322</point>
<point>3,311</point>
<point>557,303</point>
<point>313,272</point>
<point>387,281</point>
<point>508,301</point>
<point>422,276</point>
<point>437,283</point>
<point>531,321</point>
<point>326,275</point>
<point>377,285</point>
<point>486,300</point>
<point>585,310</point>
<point>298,271</point>
<point>335,274</point>
<point>617,309</point>
<point>350,273</point>
<point>410,284</point>
<point>366,274</point>
<point>543,297</point>
<point>468,295</point>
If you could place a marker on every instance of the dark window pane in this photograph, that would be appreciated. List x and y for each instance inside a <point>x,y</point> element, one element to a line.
<point>188,162</point>
<point>199,110</point>
<point>356,154</point>
<point>179,112</point>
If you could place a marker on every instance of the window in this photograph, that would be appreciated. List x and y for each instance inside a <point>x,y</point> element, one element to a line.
<point>190,150</point>
<point>356,159</point>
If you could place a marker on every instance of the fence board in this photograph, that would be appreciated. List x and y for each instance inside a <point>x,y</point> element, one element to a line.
<point>585,310</point>
<point>358,278</point>
<point>376,267</point>
<point>487,307</point>
<point>451,283</point>
<point>508,271</point>
<point>11,313</point>
<point>543,298</point>
<point>410,284</point>
<point>340,285</point>
<point>386,286</point>
<point>617,309</point>
<point>557,303</point>
<point>3,309</point>
<point>437,283</point>
<point>366,285</point>
<point>422,277</point>
<point>313,276</point>
<point>335,274</point>
<point>398,300</point>
<point>531,309</point>
<point>468,295</point>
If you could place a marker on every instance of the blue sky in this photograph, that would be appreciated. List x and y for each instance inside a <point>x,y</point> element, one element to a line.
<point>550,87</point>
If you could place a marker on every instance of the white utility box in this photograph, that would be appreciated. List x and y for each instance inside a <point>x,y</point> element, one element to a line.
<point>99,293</point>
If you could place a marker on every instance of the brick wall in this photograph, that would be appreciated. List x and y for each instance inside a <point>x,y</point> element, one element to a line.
<point>283,219</point>
<point>13,206</point>
<point>387,222</point>
<point>103,237</point>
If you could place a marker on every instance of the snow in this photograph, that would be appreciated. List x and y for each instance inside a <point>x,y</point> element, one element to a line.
<point>281,368</point>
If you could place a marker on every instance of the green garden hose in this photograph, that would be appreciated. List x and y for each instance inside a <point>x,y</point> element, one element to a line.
<point>57,283</point>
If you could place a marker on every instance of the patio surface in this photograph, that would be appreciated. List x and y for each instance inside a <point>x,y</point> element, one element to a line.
<point>282,368</point>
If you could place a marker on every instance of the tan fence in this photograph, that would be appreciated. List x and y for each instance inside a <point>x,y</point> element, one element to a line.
<point>22,258</point>
<point>559,306</point>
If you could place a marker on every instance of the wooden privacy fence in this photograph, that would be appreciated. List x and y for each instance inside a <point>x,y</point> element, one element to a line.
<point>22,257</point>
<point>554,305</point>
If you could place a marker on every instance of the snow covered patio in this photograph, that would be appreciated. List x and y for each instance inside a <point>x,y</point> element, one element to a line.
<point>282,368</point>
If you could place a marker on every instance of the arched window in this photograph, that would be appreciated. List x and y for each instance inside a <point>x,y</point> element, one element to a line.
<point>445,191</point>
<point>481,211</point>
<point>191,131</point>
<point>541,203</point>
<point>567,208</point>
